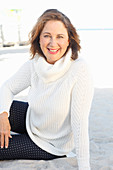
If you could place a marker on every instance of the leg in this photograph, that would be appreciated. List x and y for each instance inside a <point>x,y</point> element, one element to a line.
<point>22,147</point>
<point>17,116</point>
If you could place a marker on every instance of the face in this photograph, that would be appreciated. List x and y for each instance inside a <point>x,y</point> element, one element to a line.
<point>54,41</point>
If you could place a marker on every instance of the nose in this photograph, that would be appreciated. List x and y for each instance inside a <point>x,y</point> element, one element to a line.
<point>53,42</point>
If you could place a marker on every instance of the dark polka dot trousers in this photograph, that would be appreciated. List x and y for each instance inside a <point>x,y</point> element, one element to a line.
<point>20,145</point>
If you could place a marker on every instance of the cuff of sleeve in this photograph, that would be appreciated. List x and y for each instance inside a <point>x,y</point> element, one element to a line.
<point>84,168</point>
<point>84,164</point>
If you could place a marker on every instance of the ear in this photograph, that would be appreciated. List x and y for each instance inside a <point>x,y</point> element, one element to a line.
<point>68,42</point>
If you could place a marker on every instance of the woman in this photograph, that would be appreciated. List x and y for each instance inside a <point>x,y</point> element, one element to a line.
<point>55,119</point>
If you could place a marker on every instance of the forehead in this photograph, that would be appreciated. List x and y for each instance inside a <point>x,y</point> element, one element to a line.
<point>55,27</point>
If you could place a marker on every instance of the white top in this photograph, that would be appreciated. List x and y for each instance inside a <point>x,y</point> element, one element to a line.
<point>59,100</point>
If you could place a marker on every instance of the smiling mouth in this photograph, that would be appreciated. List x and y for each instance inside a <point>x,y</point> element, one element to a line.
<point>53,51</point>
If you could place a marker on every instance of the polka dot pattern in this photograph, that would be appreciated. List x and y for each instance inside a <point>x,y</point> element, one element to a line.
<point>17,117</point>
<point>21,146</point>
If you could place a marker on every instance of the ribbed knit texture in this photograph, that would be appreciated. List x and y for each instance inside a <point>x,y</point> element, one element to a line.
<point>59,99</point>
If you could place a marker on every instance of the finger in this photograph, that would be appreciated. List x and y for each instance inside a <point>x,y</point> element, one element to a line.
<point>6,141</point>
<point>2,140</point>
<point>10,136</point>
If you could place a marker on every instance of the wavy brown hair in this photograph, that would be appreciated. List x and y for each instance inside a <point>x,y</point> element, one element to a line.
<point>53,14</point>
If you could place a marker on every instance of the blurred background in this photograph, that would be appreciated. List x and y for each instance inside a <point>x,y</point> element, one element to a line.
<point>92,19</point>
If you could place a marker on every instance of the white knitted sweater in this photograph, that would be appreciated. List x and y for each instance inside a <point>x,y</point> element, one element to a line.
<point>59,100</point>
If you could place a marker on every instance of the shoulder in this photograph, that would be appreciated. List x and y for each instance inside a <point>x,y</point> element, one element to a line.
<point>80,70</point>
<point>80,61</point>
<point>29,63</point>
<point>79,64</point>
<point>27,66</point>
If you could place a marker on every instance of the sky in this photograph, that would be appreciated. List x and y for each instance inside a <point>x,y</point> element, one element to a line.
<point>83,13</point>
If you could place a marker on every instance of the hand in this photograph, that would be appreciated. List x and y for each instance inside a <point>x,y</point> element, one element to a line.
<point>4,130</point>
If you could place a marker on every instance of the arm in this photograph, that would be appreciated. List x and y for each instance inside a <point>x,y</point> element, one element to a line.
<point>18,82</point>
<point>82,95</point>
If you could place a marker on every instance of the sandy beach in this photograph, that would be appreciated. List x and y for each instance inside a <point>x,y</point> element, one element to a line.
<point>100,121</point>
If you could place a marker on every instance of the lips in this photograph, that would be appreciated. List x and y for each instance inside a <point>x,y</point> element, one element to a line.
<point>53,51</point>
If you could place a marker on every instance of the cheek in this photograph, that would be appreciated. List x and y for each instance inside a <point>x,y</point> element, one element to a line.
<point>65,44</point>
<point>43,42</point>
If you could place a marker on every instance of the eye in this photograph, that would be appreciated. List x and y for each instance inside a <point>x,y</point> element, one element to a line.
<point>60,36</point>
<point>46,36</point>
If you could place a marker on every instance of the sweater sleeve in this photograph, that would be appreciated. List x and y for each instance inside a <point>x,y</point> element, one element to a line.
<point>82,96</point>
<point>18,82</point>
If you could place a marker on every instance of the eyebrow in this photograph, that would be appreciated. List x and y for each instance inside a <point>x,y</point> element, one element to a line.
<point>50,34</point>
<point>46,33</point>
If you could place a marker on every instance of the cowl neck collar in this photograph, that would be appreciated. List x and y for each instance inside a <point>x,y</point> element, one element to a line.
<point>51,72</point>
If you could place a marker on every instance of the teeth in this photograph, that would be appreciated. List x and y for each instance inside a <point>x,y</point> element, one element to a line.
<point>52,50</point>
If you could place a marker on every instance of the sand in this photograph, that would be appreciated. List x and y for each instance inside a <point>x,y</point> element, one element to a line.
<point>100,123</point>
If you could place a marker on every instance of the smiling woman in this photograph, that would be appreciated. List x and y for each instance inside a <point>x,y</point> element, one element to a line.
<point>62,34</point>
<point>54,121</point>
<point>54,41</point>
